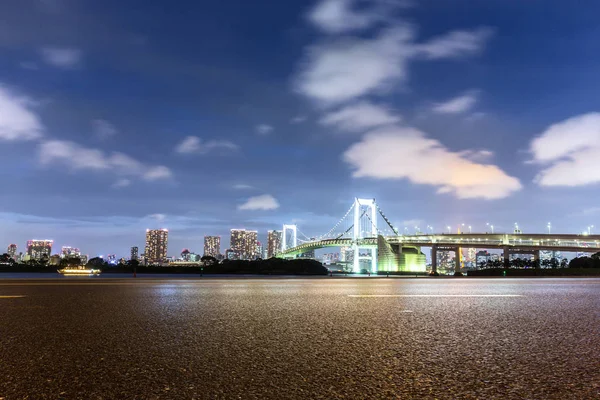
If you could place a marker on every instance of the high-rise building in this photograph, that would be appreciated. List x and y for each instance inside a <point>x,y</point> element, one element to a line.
<point>212,246</point>
<point>36,249</point>
<point>68,251</point>
<point>237,240</point>
<point>259,250</point>
<point>156,245</point>
<point>273,243</point>
<point>250,245</point>
<point>12,251</point>
<point>134,253</point>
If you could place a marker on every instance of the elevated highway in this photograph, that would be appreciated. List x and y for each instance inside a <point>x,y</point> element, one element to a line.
<point>508,243</point>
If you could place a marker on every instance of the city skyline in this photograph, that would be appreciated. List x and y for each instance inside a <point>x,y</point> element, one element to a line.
<point>488,117</point>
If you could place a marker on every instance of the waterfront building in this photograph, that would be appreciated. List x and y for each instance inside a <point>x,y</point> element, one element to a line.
<point>237,240</point>
<point>250,243</point>
<point>244,242</point>
<point>134,253</point>
<point>36,248</point>
<point>259,250</point>
<point>12,251</point>
<point>212,246</point>
<point>308,254</point>
<point>273,243</point>
<point>156,245</point>
<point>68,251</point>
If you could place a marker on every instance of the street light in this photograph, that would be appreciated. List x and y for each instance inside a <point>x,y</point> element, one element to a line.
<point>470,231</point>
<point>449,229</point>
<point>416,230</point>
<point>492,226</point>
<point>430,228</point>
<point>549,226</point>
<point>590,229</point>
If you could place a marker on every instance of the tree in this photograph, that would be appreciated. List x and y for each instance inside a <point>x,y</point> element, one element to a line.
<point>70,261</point>
<point>43,262</point>
<point>7,259</point>
<point>209,261</point>
<point>96,263</point>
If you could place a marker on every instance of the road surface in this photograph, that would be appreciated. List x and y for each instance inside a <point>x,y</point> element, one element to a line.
<point>324,338</point>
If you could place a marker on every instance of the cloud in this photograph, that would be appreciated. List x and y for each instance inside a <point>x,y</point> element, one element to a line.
<point>569,151</point>
<point>359,117</point>
<point>242,186</point>
<point>77,157</point>
<point>17,120</point>
<point>340,16</point>
<point>457,105</point>
<point>156,217</point>
<point>121,183</point>
<point>103,129</point>
<point>337,16</point>
<point>298,120</point>
<point>263,202</point>
<point>264,129</point>
<point>193,144</point>
<point>477,155</point>
<point>406,153</point>
<point>344,69</point>
<point>61,57</point>
<point>157,173</point>
<point>455,44</point>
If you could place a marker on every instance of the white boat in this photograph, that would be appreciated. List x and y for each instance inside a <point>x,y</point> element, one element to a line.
<point>79,271</point>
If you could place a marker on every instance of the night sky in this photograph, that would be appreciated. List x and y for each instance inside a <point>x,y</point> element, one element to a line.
<point>199,117</point>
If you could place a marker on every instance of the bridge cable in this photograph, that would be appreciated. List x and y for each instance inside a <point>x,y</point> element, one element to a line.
<point>387,221</point>
<point>338,223</point>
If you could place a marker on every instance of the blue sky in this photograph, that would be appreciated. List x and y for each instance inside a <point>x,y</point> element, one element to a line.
<point>117,116</point>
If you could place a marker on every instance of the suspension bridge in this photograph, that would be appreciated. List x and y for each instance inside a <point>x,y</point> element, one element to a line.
<point>382,248</point>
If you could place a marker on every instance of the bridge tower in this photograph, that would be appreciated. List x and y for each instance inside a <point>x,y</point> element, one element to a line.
<point>284,243</point>
<point>359,231</point>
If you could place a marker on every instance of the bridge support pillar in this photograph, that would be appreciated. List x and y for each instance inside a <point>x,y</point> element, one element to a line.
<point>506,254</point>
<point>536,258</point>
<point>356,261</point>
<point>434,260</point>
<point>457,259</point>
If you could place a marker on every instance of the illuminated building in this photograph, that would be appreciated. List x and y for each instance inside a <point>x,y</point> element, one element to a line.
<point>231,254</point>
<point>243,242</point>
<point>308,254</point>
<point>273,243</point>
<point>36,249</point>
<point>12,251</point>
<point>259,250</point>
<point>251,241</point>
<point>156,245</point>
<point>482,258</point>
<point>68,251</point>
<point>134,253</point>
<point>185,255</point>
<point>237,240</point>
<point>212,246</point>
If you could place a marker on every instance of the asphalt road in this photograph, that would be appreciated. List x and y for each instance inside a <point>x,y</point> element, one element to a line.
<point>325,338</point>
